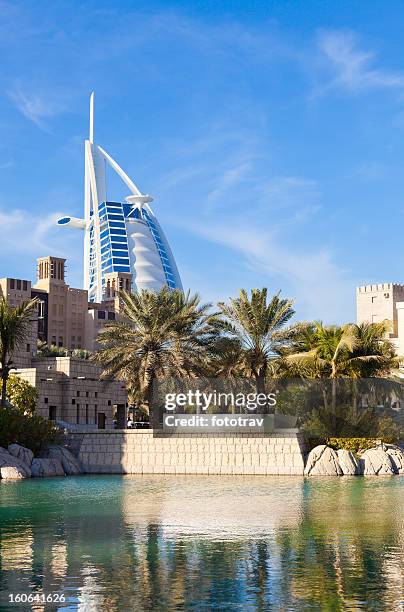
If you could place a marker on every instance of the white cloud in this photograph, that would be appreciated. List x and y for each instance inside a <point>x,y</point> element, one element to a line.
<point>320,287</point>
<point>24,233</point>
<point>228,179</point>
<point>352,68</point>
<point>34,106</point>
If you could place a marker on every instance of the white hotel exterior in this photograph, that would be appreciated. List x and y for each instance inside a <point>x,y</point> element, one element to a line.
<point>119,237</point>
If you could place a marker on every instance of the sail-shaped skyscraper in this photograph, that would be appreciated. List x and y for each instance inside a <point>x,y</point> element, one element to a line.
<point>119,237</point>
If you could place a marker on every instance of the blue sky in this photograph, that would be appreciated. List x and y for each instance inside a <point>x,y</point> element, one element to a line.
<point>270,133</point>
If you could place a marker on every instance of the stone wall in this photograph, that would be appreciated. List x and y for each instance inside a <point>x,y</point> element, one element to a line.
<point>71,390</point>
<point>141,451</point>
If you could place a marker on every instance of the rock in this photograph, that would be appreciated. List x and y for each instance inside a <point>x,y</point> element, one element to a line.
<point>375,461</point>
<point>11,472</point>
<point>322,461</point>
<point>396,455</point>
<point>20,452</point>
<point>348,462</point>
<point>70,463</point>
<point>47,467</point>
<point>10,467</point>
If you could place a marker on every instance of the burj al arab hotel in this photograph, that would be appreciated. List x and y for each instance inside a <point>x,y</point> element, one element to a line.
<point>119,236</point>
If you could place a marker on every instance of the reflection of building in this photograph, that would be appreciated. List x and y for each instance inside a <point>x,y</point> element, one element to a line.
<point>384,301</point>
<point>121,238</point>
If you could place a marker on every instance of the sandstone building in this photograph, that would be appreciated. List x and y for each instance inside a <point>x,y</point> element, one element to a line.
<point>384,301</point>
<point>70,389</point>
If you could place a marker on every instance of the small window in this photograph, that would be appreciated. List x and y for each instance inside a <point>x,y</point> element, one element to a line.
<point>18,284</point>
<point>101,314</point>
<point>60,343</point>
<point>78,393</point>
<point>25,285</point>
<point>78,413</point>
<point>73,401</point>
<point>387,295</point>
<point>96,394</point>
<point>86,393</point>
<point>28,348</point>
<point>374,298</point>
<point>45,399</point>
<point>86,414</point>
<point>109,403</point>
<point>12,283</point>
<point>111,316</point>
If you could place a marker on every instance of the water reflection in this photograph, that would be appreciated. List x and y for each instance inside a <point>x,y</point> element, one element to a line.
<point>204,543</point>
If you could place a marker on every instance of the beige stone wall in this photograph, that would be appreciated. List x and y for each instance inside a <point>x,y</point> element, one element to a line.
<point>67,307</point>
<point>375,303</point>
<point>139,451</point>
<point>73,390</point>
<point>16,291</point>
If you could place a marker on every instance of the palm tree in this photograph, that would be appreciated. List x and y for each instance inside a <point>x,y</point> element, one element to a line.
<point>354,351</point>
<point>160,335</point>
<point>373,353</point>
<point>15,327</point>
<point>255,326</point>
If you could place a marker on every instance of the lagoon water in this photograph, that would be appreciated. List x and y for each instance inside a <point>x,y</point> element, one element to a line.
<point>203,543</point>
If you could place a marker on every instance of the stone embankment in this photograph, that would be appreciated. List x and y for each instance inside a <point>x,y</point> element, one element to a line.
<point>383,459</point>
<point>18,462</point>
<point>248,456</point>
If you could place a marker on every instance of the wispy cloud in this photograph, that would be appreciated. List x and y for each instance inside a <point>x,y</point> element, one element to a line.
<point>321,288</point>
<point>266,220</point>
<point>352,68</point>
<point>36,107</point>
<point>34,234</point>
<point>228,179</point>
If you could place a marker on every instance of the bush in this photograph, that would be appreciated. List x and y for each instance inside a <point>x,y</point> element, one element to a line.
<point>31,431</point>
<point>350,423</point>
<point>21,395</point>
<point>357,445</point>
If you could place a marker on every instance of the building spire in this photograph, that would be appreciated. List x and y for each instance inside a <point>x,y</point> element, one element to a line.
<point>91,135</point>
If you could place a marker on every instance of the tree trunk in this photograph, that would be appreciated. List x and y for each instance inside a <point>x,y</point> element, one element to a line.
<point>355,401</point>
<point>154,409</point>
<point>334,397</point>
<point>4,377</point>
<point>260,388</point>
<point>334,405</point>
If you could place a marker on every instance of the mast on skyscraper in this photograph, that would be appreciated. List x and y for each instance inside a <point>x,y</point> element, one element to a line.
<point>119,236</point>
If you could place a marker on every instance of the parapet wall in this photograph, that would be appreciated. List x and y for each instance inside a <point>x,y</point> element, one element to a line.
<point>141,452</point>
<point>380,287</point>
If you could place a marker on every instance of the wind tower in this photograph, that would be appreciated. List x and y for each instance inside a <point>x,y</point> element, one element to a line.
<point>119,237</point>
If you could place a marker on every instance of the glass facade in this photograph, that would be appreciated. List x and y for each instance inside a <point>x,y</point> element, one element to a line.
<point>115,256</point>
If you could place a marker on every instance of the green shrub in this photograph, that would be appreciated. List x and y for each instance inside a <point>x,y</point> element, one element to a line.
<point>347,422</point>
<point>21,395</point>
<point>357,445</point>
<point>31,431</point>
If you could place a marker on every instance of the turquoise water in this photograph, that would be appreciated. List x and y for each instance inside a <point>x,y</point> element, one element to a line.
<point>203,543</point>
